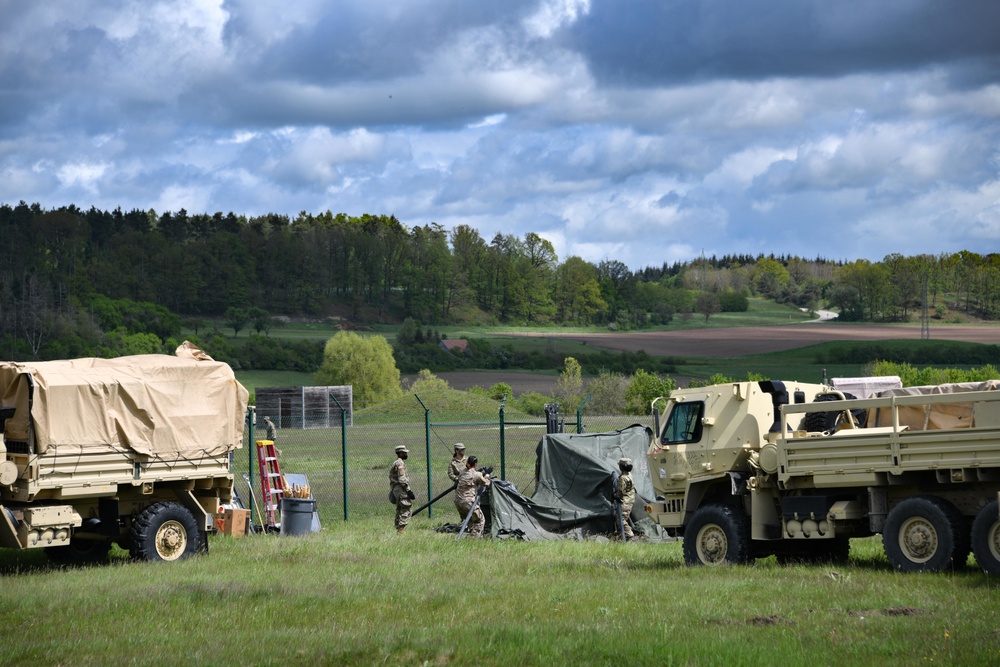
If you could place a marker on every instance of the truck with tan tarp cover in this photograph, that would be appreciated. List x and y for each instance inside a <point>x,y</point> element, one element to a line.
<point>135,450</point>
<point>750,469</point>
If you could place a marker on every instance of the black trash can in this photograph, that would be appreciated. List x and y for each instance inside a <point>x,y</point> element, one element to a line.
<point>297,516</point>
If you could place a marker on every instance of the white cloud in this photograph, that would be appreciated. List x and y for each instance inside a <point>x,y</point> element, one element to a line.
<point>739,169</point>
<point>554,14</point>
<point>80,174</point>
<point>494,119</point>
<point>192,198</point>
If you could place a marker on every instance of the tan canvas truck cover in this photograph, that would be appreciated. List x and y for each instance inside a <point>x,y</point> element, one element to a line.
<point>185,406</point>
<point>940,416</point>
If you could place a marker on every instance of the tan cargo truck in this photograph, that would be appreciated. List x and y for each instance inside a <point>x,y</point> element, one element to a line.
<point>135,450</point>
<point>750,469</point>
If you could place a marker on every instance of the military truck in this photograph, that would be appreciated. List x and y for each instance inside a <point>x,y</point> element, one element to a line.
<point>750,469</point>
<point>135,450</point>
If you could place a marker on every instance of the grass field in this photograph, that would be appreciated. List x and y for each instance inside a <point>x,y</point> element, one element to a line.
<point>357,594</point>
<point>799,364</point>
<point>759,313</point>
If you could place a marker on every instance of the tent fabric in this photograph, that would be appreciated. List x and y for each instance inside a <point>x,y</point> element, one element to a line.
<point>574,493</point>
<point>157,405</point>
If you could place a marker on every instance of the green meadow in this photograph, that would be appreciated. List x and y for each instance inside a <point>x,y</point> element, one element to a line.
<point>358,594</point>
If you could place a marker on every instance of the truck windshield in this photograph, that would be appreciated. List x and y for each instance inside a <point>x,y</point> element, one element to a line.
<point>684,423</point>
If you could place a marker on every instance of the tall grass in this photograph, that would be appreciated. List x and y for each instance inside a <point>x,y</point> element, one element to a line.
<point>359,594</point>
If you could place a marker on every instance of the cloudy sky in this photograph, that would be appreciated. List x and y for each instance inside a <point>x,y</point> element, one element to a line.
<point>647,131</point>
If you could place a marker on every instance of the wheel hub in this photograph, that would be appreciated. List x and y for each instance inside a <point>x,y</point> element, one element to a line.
<point>993,540</point>
<point>712,545</point>
<point>171,540</point>
<point>918,539</point>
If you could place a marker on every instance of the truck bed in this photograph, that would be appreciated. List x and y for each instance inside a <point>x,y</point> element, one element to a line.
<point>867,456</point>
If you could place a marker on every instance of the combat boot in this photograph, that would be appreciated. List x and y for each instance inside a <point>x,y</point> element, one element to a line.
<point>399,530</point>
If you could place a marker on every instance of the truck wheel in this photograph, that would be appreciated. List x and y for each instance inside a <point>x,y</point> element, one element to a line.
<point>825,421</point>
<point>80,552</point>
<point>164,532</point>
<point>717,534</point>
<point>986,538</point>
<point>925,534</point>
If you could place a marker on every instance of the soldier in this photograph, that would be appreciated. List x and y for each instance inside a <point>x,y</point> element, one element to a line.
<point>465,495</point>
<point>272,432</point>
<point>400,485</point>
<point>457,463</point>
<point>625,493</point>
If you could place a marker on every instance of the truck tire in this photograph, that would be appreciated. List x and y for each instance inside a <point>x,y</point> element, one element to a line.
<point>986,538</point>
<point>717,534</point>
<point>80,552</point>
<point>164,532</point>
<point>826,421</point>
<point>925,534</point>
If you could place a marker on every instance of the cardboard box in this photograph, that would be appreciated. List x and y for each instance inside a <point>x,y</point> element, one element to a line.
<point>234,522</point>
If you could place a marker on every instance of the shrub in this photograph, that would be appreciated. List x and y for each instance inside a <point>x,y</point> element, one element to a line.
<point>533,403</point>
<point>427,382</point>
<point>643,388</point>
<point>499,391</point>
<point>607,394</point>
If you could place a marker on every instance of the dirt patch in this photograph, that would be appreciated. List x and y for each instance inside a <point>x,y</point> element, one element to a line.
<point>766,620</point>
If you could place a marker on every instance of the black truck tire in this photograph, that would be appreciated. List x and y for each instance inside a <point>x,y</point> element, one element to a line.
<point>827,421</point>
<point>717,534</point>
<point>986,538</point>
<point>925,534</point>
<point>165,531</point>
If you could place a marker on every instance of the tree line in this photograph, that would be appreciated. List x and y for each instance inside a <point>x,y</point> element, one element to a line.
<point>78,282</point>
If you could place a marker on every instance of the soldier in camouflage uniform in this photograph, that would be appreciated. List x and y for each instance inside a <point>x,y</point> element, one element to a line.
<point>272,432</point>
<point>457,463</point>
<point>625,493</point>
<point>465,494</point>
<point>399,482</point>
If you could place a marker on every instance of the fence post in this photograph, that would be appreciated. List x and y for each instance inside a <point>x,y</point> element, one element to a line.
<point>427,445</point>
<point>503,451</point>
<point>343,447</point>
<point>579,415</point>
<point>252,451</point>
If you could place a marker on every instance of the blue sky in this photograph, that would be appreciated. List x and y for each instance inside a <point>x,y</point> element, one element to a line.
<point>646,131</point>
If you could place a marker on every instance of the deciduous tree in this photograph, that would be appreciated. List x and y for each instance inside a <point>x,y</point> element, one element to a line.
<point>366,363</point>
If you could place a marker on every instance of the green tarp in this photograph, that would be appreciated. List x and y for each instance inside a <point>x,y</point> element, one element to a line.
<point>573,491</point>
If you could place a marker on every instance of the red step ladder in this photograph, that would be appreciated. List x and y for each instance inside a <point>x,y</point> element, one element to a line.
<point>272,483</point>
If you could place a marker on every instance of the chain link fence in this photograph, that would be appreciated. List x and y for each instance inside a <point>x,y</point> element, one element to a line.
<point>348,467</point>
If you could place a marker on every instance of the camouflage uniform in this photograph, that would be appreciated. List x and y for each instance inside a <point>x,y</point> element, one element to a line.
<point>457,463</point>
<point>272,432</point>
<point>400,484</point>
<point>626,494</point>
<point>465,495</point>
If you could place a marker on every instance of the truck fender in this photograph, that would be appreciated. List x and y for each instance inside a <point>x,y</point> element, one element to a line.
<point>697,492</point>
<point>8,529</point>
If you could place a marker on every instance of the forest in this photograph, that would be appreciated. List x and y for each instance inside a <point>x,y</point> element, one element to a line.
<point>77,282</point>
